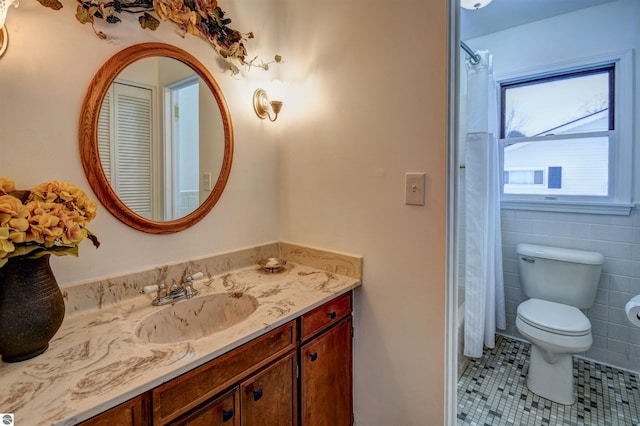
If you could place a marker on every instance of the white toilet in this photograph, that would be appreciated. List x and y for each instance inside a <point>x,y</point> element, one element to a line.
<point>558,282</point>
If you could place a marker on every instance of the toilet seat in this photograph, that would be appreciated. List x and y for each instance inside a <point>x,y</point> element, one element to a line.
<point>553,317</point>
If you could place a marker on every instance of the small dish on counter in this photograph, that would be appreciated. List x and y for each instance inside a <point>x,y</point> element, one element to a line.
<point>273,264</point>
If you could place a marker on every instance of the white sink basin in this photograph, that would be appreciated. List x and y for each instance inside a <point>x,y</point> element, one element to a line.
<point>195,318</point>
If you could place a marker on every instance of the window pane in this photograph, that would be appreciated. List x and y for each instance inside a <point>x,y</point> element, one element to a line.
<point>525,177</point>
<point>574,103</point>
<point>578,166</point>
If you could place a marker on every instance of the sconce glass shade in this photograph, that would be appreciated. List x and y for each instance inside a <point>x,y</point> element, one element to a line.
<point>4,7</point>
<point>472,4</point>
<point>277,90</point>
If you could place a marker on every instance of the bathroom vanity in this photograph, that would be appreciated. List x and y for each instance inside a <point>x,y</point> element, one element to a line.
<point>260,381</point>
<point>288,362</point>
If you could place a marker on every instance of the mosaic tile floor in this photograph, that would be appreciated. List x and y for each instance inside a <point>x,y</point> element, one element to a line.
<point>493,391</point>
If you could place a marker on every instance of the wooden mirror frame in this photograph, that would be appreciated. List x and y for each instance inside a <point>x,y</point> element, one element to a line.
<point>88,131</point>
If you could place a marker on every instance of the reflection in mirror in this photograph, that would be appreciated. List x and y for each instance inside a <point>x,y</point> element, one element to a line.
<point>156,121</point>
<point>150,154</point>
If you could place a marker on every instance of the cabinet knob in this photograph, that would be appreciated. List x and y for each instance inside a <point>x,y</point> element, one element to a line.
<point>257,394</point>
<point>313,356</point>
<point>227,414</point>
<point>332,315</point>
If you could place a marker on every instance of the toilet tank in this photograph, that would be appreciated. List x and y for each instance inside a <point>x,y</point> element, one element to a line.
<point>559,275</point>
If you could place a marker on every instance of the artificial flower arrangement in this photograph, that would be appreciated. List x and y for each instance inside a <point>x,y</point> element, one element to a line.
<point>197,17</point>
<point>52,218</point>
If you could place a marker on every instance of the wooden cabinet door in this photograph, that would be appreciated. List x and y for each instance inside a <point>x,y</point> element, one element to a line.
<point>326,382</point>
<point>222,411</point>
<point>268,398</point>
<point>134,412</point>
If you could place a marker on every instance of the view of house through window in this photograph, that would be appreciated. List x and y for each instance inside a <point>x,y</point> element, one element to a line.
<point>556,133</point>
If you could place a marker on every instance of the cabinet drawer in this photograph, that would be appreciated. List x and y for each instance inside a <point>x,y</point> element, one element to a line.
<point>193,388</point>
<point>323,316</point>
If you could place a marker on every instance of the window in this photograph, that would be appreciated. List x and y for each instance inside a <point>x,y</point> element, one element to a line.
<point>532,181</point>
<point>565,145</point>
<point>528,177</point>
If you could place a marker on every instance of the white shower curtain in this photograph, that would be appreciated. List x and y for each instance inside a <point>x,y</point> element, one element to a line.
<point>484,283</point>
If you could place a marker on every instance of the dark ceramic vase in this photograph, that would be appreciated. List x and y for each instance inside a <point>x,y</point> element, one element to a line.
<point>31,308</point>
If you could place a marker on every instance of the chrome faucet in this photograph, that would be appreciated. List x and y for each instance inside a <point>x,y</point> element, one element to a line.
<point>176,292</point>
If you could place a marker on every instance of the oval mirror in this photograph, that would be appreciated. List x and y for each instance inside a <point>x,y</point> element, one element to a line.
<point>156,140</point>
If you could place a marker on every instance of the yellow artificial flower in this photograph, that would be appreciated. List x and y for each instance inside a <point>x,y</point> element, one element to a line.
<point>52,219</point>
<point>7,185</point>
<point>18,237</point>
<point>11,208</point>
<point>19,224</point>
<point>6,246</point>
<point>73,233</point>
<point>45,192</point>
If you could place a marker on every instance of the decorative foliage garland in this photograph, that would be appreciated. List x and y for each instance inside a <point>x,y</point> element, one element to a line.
<point>197,17</point>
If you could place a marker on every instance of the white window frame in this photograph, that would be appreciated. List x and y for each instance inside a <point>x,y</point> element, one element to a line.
<point>620,141</point>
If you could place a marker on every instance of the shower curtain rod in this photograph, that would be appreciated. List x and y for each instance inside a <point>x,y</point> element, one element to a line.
<point>474,57</point>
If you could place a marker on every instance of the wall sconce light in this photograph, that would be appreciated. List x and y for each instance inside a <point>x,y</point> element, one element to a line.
<point>4,36</point>
<point>261,105</point>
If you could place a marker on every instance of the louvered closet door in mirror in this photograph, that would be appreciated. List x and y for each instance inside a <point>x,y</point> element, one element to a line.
<point>127,143</point>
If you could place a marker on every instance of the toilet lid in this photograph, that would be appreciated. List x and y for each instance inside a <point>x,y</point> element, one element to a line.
<point>554,317</point>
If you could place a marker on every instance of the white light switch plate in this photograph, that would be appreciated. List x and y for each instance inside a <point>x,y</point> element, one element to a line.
<point>414,189</point>
<point>206,181</point>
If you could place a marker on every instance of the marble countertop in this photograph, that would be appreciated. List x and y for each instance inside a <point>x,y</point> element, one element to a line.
<point>96,361</point>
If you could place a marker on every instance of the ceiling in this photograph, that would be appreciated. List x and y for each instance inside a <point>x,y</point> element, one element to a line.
<point>502,14</point>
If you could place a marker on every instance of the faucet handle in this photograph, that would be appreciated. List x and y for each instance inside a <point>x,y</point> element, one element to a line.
<point>194,277</point>
<point>161,289</point>
<point>188,285</point>
<point>149,289</point>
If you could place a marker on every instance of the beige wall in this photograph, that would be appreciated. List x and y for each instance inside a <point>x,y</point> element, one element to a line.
<point>366,104</point>
<point>378,72</point>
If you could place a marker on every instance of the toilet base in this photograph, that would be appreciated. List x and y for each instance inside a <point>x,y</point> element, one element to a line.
<point>553,381</point>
